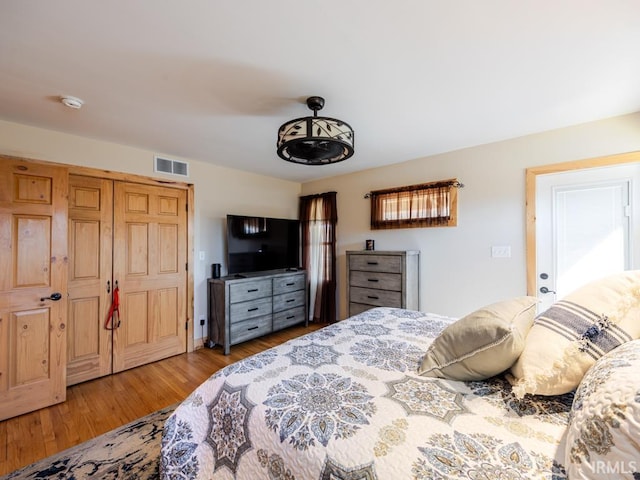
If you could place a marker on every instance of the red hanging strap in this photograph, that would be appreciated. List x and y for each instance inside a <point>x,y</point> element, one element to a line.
<point>113,318</point>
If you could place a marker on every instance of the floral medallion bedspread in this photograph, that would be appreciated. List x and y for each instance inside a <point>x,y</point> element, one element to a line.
<point>345,402</point>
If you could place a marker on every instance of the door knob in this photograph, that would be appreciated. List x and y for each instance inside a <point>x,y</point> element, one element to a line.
<point>546,290</point>
<point>54,296</point>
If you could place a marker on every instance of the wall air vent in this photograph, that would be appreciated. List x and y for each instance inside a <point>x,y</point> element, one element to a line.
<point>173,167</point>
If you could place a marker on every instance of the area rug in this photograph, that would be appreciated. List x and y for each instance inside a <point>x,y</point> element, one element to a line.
<point>128,452</point>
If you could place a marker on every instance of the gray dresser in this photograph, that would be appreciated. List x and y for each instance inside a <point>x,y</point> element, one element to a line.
<point>382,279</point>
<point>242,308</point>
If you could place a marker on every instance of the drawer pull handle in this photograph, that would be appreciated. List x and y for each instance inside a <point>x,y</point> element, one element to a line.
<point>252,290</point>
<point>252,309</point>
<point>290,317</point>
<point>372,263</point>
<point>291,300</point>
<point>252,328</point>
<point>373,297</point>
<point>290,284</point>
<point>373,280</point>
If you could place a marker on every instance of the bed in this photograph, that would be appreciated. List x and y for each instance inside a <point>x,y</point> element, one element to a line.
<point>346,402</point>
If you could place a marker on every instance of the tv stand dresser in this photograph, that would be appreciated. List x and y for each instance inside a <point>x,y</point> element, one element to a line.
<point>249,305</point>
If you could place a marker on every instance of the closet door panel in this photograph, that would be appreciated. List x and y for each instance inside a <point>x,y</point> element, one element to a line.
<point>84,322</point>
<point>150,257</point>
<point>168,315</point>
<point>135,332</point>
<point>90,286</point>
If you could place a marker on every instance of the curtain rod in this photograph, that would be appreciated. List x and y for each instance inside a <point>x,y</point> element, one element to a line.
<point>453,183</point>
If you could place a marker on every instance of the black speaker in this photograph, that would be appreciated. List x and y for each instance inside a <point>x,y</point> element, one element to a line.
<point>215,270</point>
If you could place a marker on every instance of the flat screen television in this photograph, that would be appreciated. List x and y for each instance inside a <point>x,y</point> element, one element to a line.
<point>255,244</point>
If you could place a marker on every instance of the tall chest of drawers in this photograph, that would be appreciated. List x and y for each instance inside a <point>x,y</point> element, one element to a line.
<point>242,308</point>
<point>382,279</point>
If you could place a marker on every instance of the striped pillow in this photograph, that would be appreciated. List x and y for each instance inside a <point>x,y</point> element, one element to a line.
<point>595,333</point>
<point>568,338</point>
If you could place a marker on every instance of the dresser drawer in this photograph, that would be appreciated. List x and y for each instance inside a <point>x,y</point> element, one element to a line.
<point>288,318</point>
<point>379,298</point>
<point>377,280</point>
<point>285,301</point>
<point>251,328</point>
<point>245,307</point>
<point>288,284</point>
<point>243,291</point>
<point>376,263</point>
<point>252,308</point>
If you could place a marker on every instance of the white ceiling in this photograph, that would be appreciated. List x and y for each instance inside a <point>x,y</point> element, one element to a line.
<point>213,80</point>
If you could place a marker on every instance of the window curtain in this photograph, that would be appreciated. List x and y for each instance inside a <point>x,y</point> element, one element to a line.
<point>425,205</point>
<point>318,219</point>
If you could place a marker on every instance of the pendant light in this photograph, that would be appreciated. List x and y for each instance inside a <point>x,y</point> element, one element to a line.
<point>315,140</point>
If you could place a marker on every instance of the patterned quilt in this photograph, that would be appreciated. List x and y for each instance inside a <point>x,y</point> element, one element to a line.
<point>345,402</point>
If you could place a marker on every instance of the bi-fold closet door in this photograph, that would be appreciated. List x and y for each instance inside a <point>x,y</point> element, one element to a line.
<point>126,240</point>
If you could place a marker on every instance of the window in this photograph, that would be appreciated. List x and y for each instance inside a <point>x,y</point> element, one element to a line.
<point>432,204</point>
<point>318,219</point>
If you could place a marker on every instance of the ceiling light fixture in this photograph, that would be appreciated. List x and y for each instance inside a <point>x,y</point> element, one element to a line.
<point>71,102</point>
<point>315,140</point>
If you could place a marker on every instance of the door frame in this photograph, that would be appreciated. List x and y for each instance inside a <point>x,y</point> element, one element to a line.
<point>128,177</point>
<point>530,193</point>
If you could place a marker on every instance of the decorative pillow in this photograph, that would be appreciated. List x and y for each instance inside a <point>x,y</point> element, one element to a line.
<point>603,438</point>
<point>568,338</point>
<point>481,344</point>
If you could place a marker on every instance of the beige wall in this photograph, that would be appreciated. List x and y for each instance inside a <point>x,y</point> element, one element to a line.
<point>218,191</point>
<point>458,274</point>
<point>457,271</point>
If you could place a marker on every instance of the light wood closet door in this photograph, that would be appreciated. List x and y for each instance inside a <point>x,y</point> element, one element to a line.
<point>33,267</point>
<point>90,285</point>
<point>150,261</point>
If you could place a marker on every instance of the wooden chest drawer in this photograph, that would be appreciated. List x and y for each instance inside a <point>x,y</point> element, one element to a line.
<point>380,298</point>
<point>285,301</point>
<point>288,284</point>
<point>376,263</point>
<point>377,280</point>
<point>383,278</point>
<point>252,308</point>
<point>242,307</point>
<point>288,318</point>
<point>251,328</point>
<point>243,291</point>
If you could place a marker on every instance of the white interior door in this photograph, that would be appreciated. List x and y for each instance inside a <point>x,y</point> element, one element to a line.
<point>584,227</point>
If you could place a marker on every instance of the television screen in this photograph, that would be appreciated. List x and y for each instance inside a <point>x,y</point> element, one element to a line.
<point>256,244</point>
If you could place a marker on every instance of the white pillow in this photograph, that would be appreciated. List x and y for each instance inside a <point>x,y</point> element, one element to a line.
<point>482,344</point>
<point>603,438</point>
<point>568,338</point>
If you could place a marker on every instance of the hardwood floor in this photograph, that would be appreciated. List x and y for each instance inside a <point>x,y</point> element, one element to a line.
<point>95,407</point>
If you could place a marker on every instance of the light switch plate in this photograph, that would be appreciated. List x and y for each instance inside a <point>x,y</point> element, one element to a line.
<point>501,251</point>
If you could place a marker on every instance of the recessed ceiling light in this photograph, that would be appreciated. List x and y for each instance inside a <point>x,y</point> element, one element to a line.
<point>71,102</point>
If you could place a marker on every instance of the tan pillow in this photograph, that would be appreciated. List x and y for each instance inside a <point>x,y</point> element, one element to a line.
<point>568,338</point>
<point>481,344</point>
